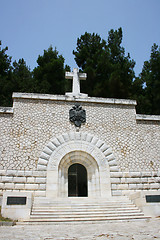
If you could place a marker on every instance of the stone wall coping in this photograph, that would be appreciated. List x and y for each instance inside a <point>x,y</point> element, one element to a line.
<point>6,110</point>
<point>147,117</point>
<point>70,98</point>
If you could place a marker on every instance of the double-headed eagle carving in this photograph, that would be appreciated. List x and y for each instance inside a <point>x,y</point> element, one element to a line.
<point>77,115</point>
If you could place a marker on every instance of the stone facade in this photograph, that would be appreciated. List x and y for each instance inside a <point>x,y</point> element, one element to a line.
<point>36,135</point>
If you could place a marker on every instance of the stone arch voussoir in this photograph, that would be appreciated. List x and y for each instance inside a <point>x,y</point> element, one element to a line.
<point>87,140</point>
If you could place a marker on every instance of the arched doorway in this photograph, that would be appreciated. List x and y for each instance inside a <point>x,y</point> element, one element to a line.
<point>77,181</point>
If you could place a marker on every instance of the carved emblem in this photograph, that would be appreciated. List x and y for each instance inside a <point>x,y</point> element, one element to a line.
<point>77,115</point>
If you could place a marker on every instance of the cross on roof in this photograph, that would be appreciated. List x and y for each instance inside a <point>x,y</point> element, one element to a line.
<point>76,76</point>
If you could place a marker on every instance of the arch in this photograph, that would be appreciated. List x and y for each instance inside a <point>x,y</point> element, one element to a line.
<point>55,143</point>
<point>67,146</point>
<point>91,166</point>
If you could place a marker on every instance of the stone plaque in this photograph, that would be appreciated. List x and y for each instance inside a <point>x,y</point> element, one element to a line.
<point>152,198</point>
<point>16,200</point>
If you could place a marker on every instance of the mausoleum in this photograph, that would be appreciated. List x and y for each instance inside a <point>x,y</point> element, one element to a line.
<point>72,149</point>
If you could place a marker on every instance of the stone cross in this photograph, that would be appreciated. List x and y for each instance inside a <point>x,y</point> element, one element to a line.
<point>76,76</point>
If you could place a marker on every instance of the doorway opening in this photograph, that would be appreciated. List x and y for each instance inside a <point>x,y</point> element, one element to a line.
<point>77,181</point>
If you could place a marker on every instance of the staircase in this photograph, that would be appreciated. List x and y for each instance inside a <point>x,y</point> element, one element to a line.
<point>83,210</point>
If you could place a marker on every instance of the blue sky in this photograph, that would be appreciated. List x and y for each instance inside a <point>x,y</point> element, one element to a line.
<point>28,27</point>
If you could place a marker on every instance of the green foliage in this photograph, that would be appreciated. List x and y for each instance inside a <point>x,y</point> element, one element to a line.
<point>89,49</point>
<point>22,77</point>
<point>150,78</point>
<point>50,73</point>
<point>6,83</point>
<point>47,77</point>
<point>109,72</point>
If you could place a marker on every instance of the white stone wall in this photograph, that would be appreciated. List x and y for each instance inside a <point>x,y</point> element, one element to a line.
<point>34,119</point>
<point>20,180</point>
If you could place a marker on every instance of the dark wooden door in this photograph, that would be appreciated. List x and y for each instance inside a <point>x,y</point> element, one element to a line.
<point>77,181</point>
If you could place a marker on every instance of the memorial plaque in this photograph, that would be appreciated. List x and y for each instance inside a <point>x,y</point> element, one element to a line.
<point>16,200</point>
<point>152,198</point>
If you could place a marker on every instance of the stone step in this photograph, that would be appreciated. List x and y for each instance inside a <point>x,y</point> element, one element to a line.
<point>76,220</point>
<point>84,215</point>
<point>80,200</point>
<point>86,207</point>
<point>85,210</point>
<point>36,203</point>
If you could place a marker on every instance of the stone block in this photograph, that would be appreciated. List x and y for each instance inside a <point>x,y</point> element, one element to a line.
<point>19,180</point>
<point>113,163</point>
<point>42,167</point>
<point>146,186</point>
<point>28,173</point>
<point>39,173</point>
<point>19,186</point>
<point>40,193</point>
<point>30,179</point>
<point>132,186</point>
<point>56,142</point>
<point>126,192</point>
<point>20,173</point>
<point>126,174</point>
<point>78,136</point>
<point>110,157</point>
<point>45,156</point>
<point>1,185</point>
<point>135,174</point>
<point>47,150</point>
<point>133,180</point>
<point>154,186</point>
<point>17,212</point>
<point>104,147</point>
<point>6,179</point>
<point>9,186</point>
<point>40,180</point>
<point>65,136</point>
<point>113,169</point>
<point>30,186</point>
<point>144,180</point>
<point>11,172</point>
<point>116,193</point>
<point>155,174</point>
<point>42,186</point>
<point>116,174</point>
<point>99,143</point>
<point>51,146</point>
<point>123,180</point>
<point>115,180</point>
<point>140,186</point>
<point>2,172</point>
<point>108,152</point>
<point>114,186</point>
<point>157,179</point>
<point>151,180</point>
<point>122,186</point>
<point>146,174</point>
<point>42,161</point>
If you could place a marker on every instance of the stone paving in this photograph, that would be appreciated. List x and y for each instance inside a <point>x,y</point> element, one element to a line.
<point>135,230</point>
